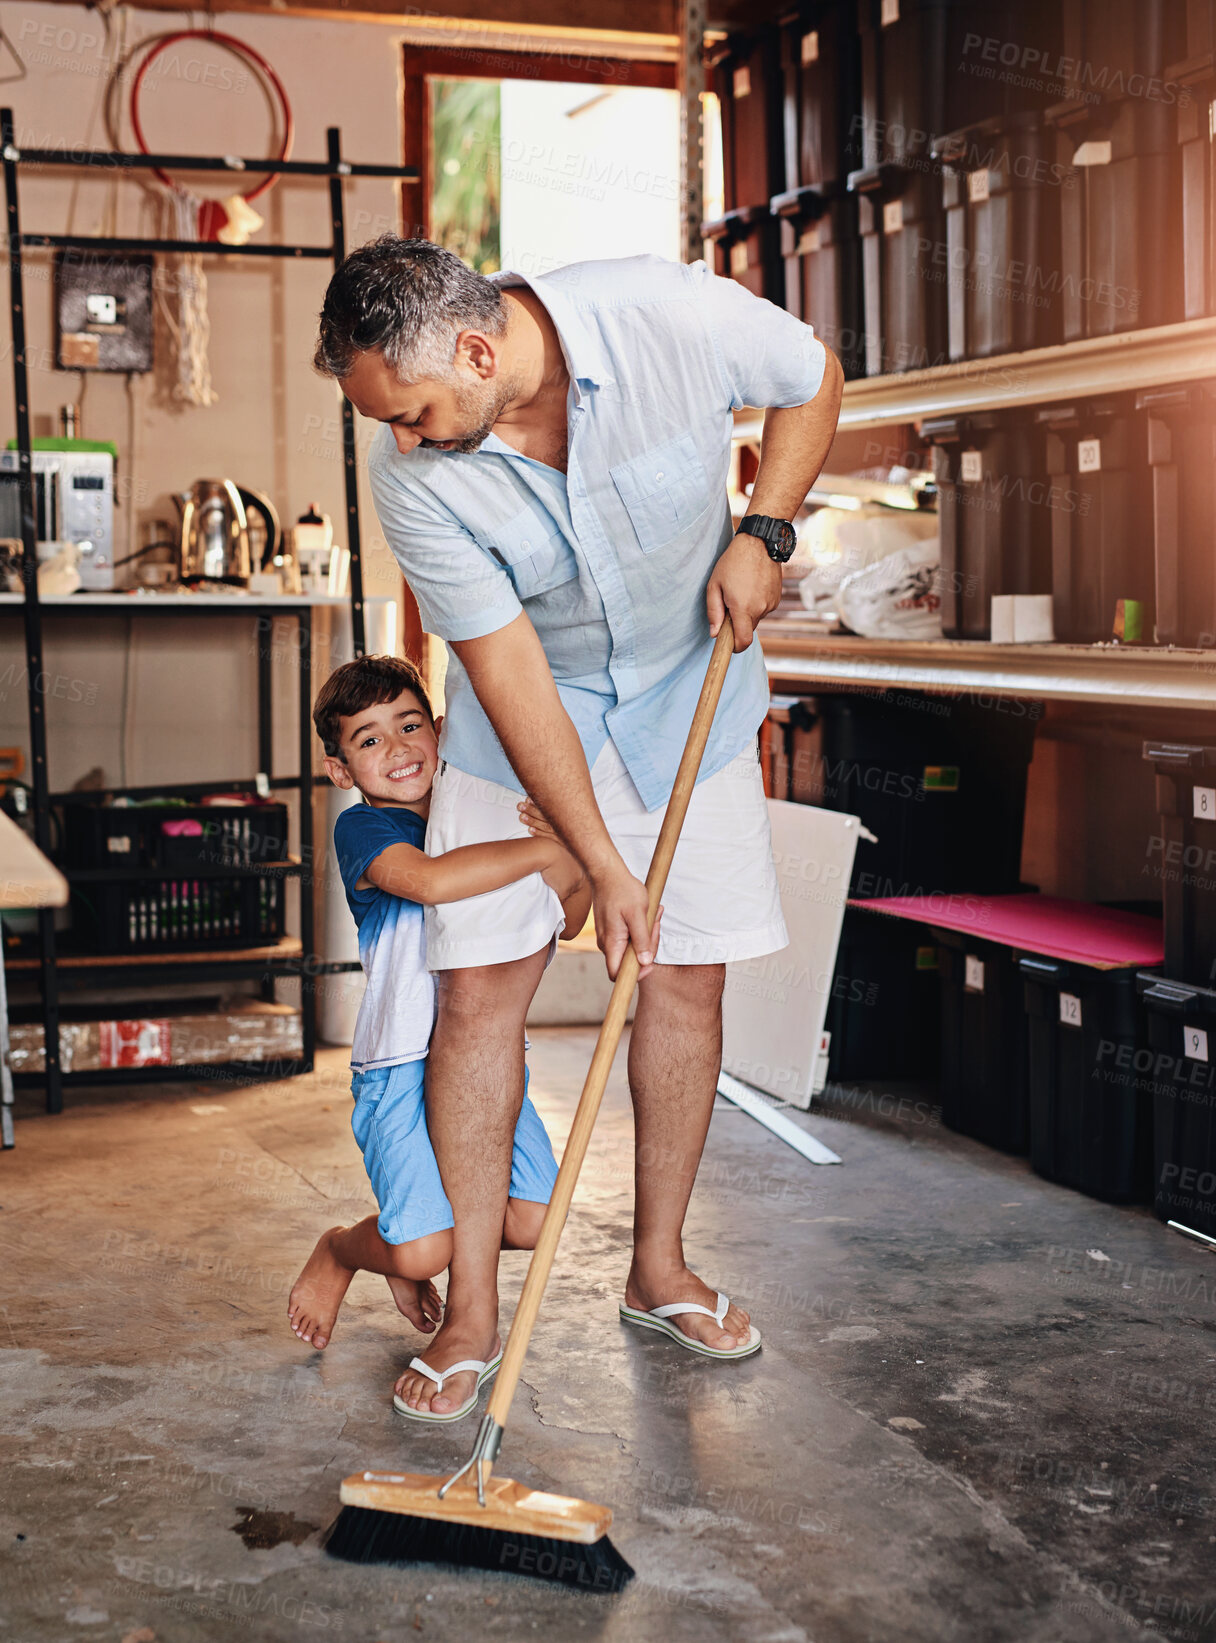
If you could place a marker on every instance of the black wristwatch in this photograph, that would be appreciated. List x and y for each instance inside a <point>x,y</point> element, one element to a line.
<point>778,535</point>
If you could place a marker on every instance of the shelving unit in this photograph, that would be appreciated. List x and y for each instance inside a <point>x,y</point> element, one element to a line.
<point>292,956</point>
<point>1117,675</point>
<point>1123,363</point>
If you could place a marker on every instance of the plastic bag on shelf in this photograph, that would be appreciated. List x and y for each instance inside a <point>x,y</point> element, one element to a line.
<point>839,542</point>
<point>898,597</point>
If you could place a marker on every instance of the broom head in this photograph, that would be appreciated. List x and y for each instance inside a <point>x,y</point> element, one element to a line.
<point>399,1517</point>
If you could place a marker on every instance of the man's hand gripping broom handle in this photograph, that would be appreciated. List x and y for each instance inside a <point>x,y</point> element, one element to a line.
<point>489,1437</point>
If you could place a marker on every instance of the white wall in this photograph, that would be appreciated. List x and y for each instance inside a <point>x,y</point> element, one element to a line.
<point>588,171</point>
<point>189,690</point>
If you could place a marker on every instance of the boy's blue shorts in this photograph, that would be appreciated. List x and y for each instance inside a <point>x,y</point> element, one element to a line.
<point>389,1121</point>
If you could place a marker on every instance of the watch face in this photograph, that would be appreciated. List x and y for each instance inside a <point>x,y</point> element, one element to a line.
<point>784,541</point>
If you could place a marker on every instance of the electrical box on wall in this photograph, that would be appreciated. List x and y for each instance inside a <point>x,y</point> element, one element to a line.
<point>103,312</point>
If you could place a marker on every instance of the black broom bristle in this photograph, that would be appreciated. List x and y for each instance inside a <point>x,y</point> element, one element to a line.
<point>362,1535</point>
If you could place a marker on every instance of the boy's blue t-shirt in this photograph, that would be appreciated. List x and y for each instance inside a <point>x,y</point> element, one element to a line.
<point>398,1009</point>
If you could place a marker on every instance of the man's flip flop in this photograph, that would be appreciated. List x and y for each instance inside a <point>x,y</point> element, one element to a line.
<point>657,1319</point>
<point>485,1372</point>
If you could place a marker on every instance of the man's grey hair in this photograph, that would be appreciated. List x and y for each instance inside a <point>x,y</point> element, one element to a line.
<point>408,300</point>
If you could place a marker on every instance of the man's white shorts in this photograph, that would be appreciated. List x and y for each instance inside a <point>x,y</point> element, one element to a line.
<point>721,902</point>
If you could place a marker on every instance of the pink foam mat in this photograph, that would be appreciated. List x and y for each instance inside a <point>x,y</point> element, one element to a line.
<point>1075,930</point>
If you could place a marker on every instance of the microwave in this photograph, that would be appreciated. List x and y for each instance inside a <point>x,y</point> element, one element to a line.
<point>73,502</point>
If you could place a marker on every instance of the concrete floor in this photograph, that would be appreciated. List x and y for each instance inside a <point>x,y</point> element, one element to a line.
<point>984,1409</point>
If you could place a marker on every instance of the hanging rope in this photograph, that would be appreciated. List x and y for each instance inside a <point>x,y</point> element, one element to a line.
<point>191,330</point>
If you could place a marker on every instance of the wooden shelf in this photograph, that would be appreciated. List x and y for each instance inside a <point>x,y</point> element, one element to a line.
<point>799,654</point>
<point>286,949</point>
<point>1094,365</point>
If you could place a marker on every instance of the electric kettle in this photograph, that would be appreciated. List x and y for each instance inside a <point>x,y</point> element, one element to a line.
<point>214,544</point>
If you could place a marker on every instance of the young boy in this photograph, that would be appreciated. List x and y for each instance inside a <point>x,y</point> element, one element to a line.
<point>380,737</point>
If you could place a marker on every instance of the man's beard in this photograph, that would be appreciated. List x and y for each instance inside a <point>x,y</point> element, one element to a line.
<point>487,405</point>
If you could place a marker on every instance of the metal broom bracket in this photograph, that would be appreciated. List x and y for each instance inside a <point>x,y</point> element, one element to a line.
<point>485,1453</point>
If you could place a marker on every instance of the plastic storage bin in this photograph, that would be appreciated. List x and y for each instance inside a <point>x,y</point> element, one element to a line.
<point>1182,1076</point>
<point>983,1078</point>
<point>1121,224</point>
<point>820,248</point>
<point>1181,433</point>
<point>993,502</point>
<point>1090,1121</point>
<point>942,785</point>
<point>1101,515</point>
<point>1001,189</point>
<point>1184,855</point>
<point>1192,83</point>
<point>884,1010</point>
<point>746,74</point>
<point>921,75</point>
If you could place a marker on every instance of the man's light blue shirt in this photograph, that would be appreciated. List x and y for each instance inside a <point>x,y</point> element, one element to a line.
<point>610,560</point>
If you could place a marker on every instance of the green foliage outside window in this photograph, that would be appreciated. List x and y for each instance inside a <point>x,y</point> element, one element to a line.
<point>466,179</point>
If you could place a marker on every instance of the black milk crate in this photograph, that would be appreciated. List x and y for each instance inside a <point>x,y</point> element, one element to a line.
<point>1181,436</point>
<point>1001,189</point>
<point>177,914</point>
<point>983,1078</point>
<point>884,1012</point>
<point>1101,516</point>
<point>994,500</point>
<point>1183,854</point>
<point>1090,1117</point>
<point>1182,1077</point>
<point>175,837</point>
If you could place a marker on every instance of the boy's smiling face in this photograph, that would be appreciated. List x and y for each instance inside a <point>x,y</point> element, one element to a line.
<point>390,752</point>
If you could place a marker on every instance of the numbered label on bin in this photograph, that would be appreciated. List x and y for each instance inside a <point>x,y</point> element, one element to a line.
<point>971,467</point>
<point>1089,456</point>
<point>1195,1043</point>
<point>1205,804</point>
<point>973,973</point>
<point>893,217</point>
<point>810,47</point>
<point>1070,1009</point>
<point>890,12</point>
<point>738,258</point>
<point>977,186</point>
<point>741,85</point>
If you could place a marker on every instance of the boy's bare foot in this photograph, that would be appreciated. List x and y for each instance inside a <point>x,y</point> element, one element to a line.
<point>458,1338</point>
<point>316,1295</point>
<point>646,1290</point>
<point>418,1300</point>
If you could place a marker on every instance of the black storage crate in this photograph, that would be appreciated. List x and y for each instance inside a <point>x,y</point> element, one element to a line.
<point>923,73</point>
<point>1090,1120</point>
<point>1181,1072</point>
<point>164,915</point>
<point>177,837</point>
<point>1121,224</point>
<point>994,500</point>
<point>820,247</point>
<point>746,74</point>
<point>942,785</point>
<point>1192,83</point>
<point>983,1081</point>
<point>1001,188</point>
<point>1101,516</point>
<point>884,1010</point>
<point>1184,855</point>
<point>1181,435</point>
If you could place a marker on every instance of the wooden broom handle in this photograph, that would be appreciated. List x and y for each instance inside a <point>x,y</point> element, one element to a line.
<point>610,1037</point>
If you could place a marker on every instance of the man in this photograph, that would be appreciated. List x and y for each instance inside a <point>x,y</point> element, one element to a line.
<point>552,479</point>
